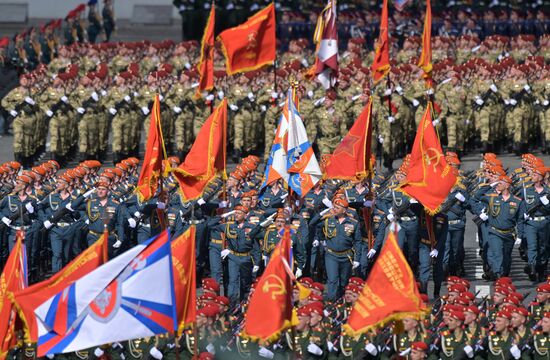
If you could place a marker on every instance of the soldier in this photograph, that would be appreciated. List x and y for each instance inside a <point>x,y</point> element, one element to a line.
<point>108,16</point>
<point>539,348</point>
<point>329,121</point>
<point>499,343</point>
<point>401,342</point>
<point>541,304</point>
<point>94,21</point>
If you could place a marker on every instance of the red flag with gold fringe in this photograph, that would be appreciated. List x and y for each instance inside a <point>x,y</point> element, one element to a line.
<point>425,60</point>
<point>183,263</point>
<point>429,177</point>
<point>390,292</point>
<point>381,63</point>
<point>206,62</point>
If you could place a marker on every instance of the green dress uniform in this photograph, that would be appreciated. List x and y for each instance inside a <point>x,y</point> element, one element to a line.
<point>498,347</point>
<point>541,346</point>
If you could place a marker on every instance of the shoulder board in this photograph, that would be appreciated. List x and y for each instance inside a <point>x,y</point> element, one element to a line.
<point>491,194</point>
<point>230,222</point>
<point>116,201</point>
<point>351,218</point>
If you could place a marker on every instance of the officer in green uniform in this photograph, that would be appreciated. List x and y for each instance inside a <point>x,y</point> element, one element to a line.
<point>454,342</point>
<point>499,344</point>
<point>400,343</point>
<point>540,349</point>
<point>541,304</point>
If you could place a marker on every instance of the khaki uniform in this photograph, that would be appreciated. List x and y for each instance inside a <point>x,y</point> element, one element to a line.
<point>183,121</point>
<point>120,123</point>
<point>328,135</point>
<point>453,98</point>
<point>24,124</point>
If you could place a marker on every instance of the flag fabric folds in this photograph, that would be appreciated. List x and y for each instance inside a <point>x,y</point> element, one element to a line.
<point>183,262</point>
<point>13,279</point>
<point>429,176</point>
<point>148,182</point>
<point>206,159</point>
<point>390,292</point>
<point>272,297</point>
<point>381,63</point>
<point>351,159</point>
<point>302,166</point>
<point>425,60</point>
<point>206,62</point>
<point>131,296</point>
<point>252,44</point>
<point>28,300</point>
<point>326,39</point>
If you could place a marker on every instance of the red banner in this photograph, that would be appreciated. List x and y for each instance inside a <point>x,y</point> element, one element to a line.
<point>13,279</point>
<point>206,62</point>
<point>148,182</point>
<point>272,298</point>
<point>390,292</point>
<point>206,159</point>
<point>183,259</point>
<point>381,64</point>
<point>251,45</point>
<point>429,177</point>
<point>425,60</point>
<point>351,159</point>
<point>27,300</point>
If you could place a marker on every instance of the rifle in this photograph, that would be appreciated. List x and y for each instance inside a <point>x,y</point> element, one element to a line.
<point>484,97</point>
<point>517,97</point>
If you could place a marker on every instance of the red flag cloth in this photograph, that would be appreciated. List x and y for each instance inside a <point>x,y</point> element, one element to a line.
<point>183,263</point>
<point>251,45</point>
<point>326,54</point>
<point>272,297</point>
<point>425,60</point>
<point>149,177</point>
<point>27,300</point>
<point>206,62</point>
<point>206,159</point>
<point>381,64</point>
<point>390,292</point>
<point>429,177</point>
<point>13,279</point>
<point>351,159</point>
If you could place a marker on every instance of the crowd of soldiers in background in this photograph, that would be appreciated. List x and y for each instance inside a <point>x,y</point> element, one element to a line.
<point>491,93</point>
<point>237,229</point>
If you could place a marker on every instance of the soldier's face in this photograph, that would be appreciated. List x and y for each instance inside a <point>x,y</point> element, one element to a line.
<point>501,323</point>
<point>315,319</point>
<point>239,215</point>
<point>452,323</point>
<point>469,317</point>
<point>517,320</point>
<point>498,298</point>
<point>254,201</point>
<point>542,297</point>
<point>102,192</point>
<point>246,201</point>
<point>417,355</point>
<point>303,321</point>
<point>409,324</point>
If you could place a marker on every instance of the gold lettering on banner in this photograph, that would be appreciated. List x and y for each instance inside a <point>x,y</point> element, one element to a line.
<point>392,271</point>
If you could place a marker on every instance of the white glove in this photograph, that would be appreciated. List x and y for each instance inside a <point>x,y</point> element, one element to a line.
<point>222,204</point>
<point>221,94</point>
<point>228,214</point>
<point>493,88</point>
<point>544,200</point>
<point>527,217</point>
<point>430,91</point>
<point>435,122</point>
<point>415,103</point>
<point>229,6</point>
<point>315,243</point>
<point>6,221</point>
<point>50,356</point>
<point>330,345</point>
<point>29,207</point>
<point>255,269</point>
<point>493,184</point>
<point>88,193</point>
<point>298,273</point>
<point>132,223</point>
<point>274,94</point>
<point>387,92</point>
<point>161,205</point>
<point>371,253</point>
<point>137,214</point>
<point>413,201</point>
<point>69,207</point>
<point>368,203</point>
<point>319,101</point>
<point>103,93</point>
<point>209,97</point>
<point>405,352</point>
<point>327,202</point>
<point>399,89</point>
<point>314,349</point>
<point>233,107</point>
<point>47,224</point>
<point>95,96</point>
<point>304,62</point>
<point>117,244</point>
<point>391,119</point>
<point>355,265</point>
<point>98,352</point>
<point>391,217</point>
<point>145,110</point>
<point>517,243</point>
<point>250,96</point>
<point>224,253</point>
<point>371,349</point>
<point>507,101</point>
<point>469,351</point>
<point>64,99</point>
<point>211,348</point>
<point>112,111</point>
<point>514,350</point>
<point>310,94</point>
<point>479,101</point>
<point>483,216</point>
<point>155,353</point>
<point>460,197</point>
<point>176,109</point>
<point>81,110</point>
<point>545,102</point>
<point>201,202</point>
<point>187,65</point>
<point>268,221</point>
<point>527,87</point>
<point>49,113</point>
<point>13,113</point>
<point>127,98</point>
<point>355,97</point>
<point>263,352</point>
<point>284,196</point>
<point>263,108</point>
<point>29,101</point>
<point>513,102</point>
<point>324,211</point>
<point>434,253</point>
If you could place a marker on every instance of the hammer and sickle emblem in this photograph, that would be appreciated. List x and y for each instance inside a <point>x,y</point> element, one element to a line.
<point>433,157</point>
<point>276,287</point>
<point>252,41</point>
